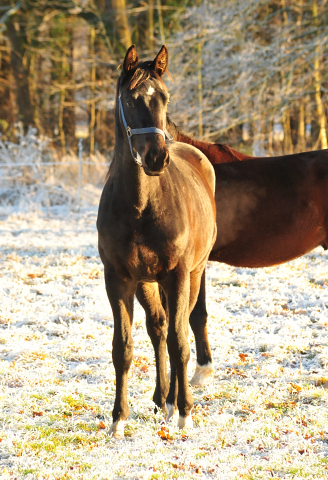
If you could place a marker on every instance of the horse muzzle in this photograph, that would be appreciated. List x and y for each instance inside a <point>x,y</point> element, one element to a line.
<point>155,162</point>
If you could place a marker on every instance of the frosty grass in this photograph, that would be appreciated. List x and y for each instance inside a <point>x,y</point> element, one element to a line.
<point>263,415</point>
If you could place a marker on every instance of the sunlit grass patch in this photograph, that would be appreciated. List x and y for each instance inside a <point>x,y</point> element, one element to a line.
<point>71,467</point>
<point>27,471</point>
<point>76,402</point>
<point>50,438</point>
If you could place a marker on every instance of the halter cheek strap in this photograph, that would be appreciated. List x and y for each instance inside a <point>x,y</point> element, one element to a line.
<point>138,131</point>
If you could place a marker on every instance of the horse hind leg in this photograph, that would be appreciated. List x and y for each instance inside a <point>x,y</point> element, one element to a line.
<point>149,298</point>
<point>198,323</point>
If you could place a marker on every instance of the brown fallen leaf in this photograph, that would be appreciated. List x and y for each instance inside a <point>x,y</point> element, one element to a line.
<point>163,433</point>
<point>35,275</point>
<point>295,388</point>
<point>242,356</point>
<point>37,414</point>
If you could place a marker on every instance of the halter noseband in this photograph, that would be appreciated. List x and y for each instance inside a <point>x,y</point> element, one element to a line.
<point>138,131</point>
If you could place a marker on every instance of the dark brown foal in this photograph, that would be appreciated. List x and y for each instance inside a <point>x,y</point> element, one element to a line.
<point>156,226</point>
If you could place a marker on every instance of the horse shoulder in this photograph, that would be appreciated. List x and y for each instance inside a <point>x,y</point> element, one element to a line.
<point>197,159</point>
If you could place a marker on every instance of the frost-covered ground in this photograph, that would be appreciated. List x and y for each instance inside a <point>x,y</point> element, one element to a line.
<point>264,415</point>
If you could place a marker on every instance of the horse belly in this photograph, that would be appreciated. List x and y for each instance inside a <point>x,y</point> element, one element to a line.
<point>268,254</point>
<point>265,240</point>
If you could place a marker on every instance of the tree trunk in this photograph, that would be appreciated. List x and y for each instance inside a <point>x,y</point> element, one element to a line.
<point>320,107</point>
<point>200,90</point>
<point>61,121</point>
<point>33,93</point>
<point>17,37</point>
<point>151,25</point>
<point>317,86</point>
<point>69,100</point>
<point>7,102</point>
<point>92,99</point>
<point>270,139</point>
<point>115,14</point>
<point>301,128</point>
<point>288,143</point>
<point>160,21</point>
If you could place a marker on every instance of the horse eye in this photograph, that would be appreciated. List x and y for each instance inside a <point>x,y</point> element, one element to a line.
<point>129,103</point>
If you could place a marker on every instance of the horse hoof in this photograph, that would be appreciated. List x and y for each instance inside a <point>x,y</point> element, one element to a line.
<point>171,411</point>
<point>201,373</point>
<point>117,429</point>
<point>185,422</point>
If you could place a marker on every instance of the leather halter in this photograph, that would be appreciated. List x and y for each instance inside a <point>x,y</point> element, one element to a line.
<point>138,131</point>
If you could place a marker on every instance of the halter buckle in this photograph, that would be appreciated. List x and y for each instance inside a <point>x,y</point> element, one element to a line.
<point>128,132</point>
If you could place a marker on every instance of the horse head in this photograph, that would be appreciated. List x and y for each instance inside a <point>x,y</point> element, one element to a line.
<point>142,99</point>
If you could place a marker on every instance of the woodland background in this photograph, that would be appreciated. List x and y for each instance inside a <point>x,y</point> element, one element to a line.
<point>249,73</point>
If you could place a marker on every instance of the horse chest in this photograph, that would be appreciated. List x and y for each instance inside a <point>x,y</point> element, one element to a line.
<point>144,262</point>
<point>145,253</point>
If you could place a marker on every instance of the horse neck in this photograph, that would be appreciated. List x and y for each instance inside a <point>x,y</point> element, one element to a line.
<point>183,138</point>
<point>132,185</point>
<point>215,152</point>
<point>202,146</point>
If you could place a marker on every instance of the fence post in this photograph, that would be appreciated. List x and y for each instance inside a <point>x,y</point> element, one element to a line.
<point>79,179</point>
<point>81,132</point>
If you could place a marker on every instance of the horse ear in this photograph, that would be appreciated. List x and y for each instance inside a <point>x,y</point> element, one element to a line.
<point>131,61</point>
<point>161,61</point>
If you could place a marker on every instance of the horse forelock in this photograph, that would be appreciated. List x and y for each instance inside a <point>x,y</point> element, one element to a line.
<point>139,76</point>
<point>142,74</point>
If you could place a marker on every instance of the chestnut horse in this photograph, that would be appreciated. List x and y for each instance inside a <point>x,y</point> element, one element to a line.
<point>156,227</point>
<point>268,211</point>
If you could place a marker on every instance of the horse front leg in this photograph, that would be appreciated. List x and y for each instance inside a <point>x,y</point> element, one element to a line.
<point>120,294</point>
<point>149,298</point>
<point>198,323</point>
<point>178,293</point>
